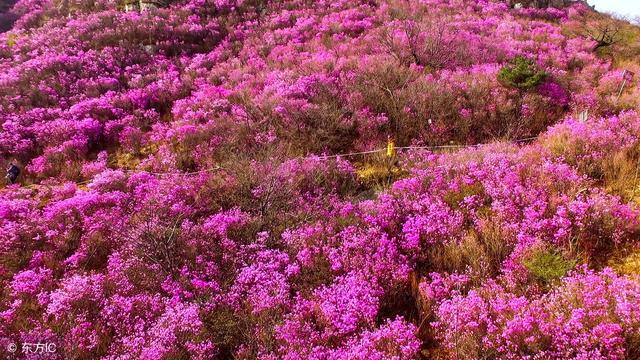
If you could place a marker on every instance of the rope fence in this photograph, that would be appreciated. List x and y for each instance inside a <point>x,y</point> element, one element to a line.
<point>345,155</point>
<point>429,147</point>
<point>387,150</point>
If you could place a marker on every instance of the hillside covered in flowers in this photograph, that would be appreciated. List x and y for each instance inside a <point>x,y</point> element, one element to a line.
<point>328,179</point>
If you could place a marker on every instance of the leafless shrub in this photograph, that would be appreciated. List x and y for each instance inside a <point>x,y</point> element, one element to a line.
<point>433,44</point>
<point>157,242</point>
<point>604,34</point>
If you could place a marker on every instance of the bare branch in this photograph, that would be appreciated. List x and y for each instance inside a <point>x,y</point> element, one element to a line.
<point>603,35</point>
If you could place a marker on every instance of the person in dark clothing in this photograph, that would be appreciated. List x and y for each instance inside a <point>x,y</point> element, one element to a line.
<point>13,171</point>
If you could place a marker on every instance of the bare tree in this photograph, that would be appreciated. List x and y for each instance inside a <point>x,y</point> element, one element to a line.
<point>604,35</point>
<point>542,4</point>
<point>156,241</point>
<point>431,44</point>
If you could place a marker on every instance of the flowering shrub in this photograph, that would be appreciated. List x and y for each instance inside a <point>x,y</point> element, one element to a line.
<point>587,316</point>
<point>183,195</point>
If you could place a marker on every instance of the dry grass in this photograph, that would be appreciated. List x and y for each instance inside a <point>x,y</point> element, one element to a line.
<point>479,253</point>
<point>379,172</point>
<point>626,262</point>
<point>621,174</point>
<point>129,160</point>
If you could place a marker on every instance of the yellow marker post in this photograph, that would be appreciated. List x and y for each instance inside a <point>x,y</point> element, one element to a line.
<point>391,147</point>
<point>11,40</point>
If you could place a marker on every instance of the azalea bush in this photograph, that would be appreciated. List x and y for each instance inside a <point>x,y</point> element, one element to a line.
<point>185,192</point>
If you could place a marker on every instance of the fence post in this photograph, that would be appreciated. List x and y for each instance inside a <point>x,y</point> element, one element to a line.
<point>626,76</point>
<point>391,147</point>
